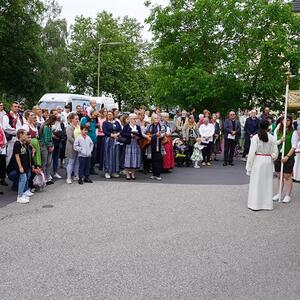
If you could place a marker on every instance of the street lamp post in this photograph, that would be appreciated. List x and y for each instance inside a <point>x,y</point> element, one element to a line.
<point>99,52</point>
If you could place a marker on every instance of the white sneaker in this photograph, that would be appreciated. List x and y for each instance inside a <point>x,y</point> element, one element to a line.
<point>22,200</point>
<point>107,176</point>
<point>115,175</point>
<point>69,181</point>
<point>75,178</point>
<point>197,167</point>
<point>57,176</point>
<point>244,159</point>
<point>276,197</point>
<point>28,193</point>
<point>287,199</point>
<point>158,178</point>
<point>50,178</point>
<point>152,177</point>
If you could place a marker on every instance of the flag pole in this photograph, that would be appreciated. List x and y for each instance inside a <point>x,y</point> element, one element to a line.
<point>288,77</point>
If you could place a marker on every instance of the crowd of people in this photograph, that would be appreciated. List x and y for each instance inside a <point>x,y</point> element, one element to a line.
<point>37,144</point>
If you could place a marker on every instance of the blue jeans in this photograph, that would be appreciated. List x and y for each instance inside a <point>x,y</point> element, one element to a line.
<point>84,167</point>
<point>73,166</point>
<point>55,155</point>
<point>19,182</point>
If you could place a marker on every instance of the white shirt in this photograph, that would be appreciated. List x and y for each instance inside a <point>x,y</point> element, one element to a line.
<point>3,150</point>
<point>2,114</point>
<point>207,131</point>
<point>64,117</point>
<point>27,128</point>
<point>243,119</point>
<point>7,128</point>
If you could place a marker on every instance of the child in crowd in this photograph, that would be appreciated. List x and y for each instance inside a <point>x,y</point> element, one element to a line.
<point>84,146</point>
<point>197,153</point>
<point>19,166</point>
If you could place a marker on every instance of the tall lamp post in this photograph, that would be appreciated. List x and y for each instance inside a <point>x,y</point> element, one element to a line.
<point>99,52</point>
<point>288,78</point>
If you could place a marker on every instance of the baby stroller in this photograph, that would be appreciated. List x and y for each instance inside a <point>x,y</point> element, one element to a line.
<point>181,153</point>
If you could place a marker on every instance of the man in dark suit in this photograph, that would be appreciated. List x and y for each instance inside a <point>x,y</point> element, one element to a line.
<point>232,132</point>
<point>251,129</point>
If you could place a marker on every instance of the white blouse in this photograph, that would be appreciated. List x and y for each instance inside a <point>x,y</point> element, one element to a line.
<point>207,131</point>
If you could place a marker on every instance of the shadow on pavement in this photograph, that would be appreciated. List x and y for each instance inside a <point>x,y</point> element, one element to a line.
<point>213,175</point>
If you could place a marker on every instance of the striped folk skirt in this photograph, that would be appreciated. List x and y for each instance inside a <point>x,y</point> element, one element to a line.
<point>111,155</point>
<point>132,155</point>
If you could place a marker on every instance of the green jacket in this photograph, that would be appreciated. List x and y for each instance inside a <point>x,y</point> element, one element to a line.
<point>46,138</point>
<point>37,159</point>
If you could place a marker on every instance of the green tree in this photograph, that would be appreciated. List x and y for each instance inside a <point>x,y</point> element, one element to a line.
<point>55,75</point>
<point>122,71</point>
<point>33,49</point>
<point>20,47</point>
<point>222,54</point>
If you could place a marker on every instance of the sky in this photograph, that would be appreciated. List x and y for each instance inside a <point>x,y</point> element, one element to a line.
<point>119,8</point>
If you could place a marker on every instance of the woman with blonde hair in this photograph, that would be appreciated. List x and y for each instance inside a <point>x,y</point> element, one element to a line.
<point>71,154</point>
<point>190,133</point>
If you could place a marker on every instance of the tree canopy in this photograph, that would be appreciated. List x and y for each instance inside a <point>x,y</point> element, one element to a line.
<point>222,54</point>
<point>122,55</point>
<point>33,44</point>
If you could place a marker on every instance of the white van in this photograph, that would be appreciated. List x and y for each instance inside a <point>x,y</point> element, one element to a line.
<point>52,101</point>
<point>105,102</point>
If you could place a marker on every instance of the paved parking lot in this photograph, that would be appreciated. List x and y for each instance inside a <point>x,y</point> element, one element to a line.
<point>187,237</point>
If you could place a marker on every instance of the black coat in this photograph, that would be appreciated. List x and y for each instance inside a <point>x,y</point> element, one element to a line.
<point>126,132</point>
<point>251,126</point>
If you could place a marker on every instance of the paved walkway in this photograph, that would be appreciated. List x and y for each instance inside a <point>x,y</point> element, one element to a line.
<point>183,238</point>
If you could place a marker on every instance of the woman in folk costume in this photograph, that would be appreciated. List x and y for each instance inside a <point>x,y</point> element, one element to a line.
<point>111,129</point>
<point>296,175</point>
<point>168,162</point>
<point>263,151</point>
<point>287,158</point>
<point>30,126</point>
<point>132,160</point>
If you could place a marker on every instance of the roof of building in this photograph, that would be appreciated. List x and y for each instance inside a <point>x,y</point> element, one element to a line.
<point>296,5</point>
<point>294,100</point>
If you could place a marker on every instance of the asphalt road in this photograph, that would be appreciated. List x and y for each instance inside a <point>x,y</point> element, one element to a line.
<point>187,237</point>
